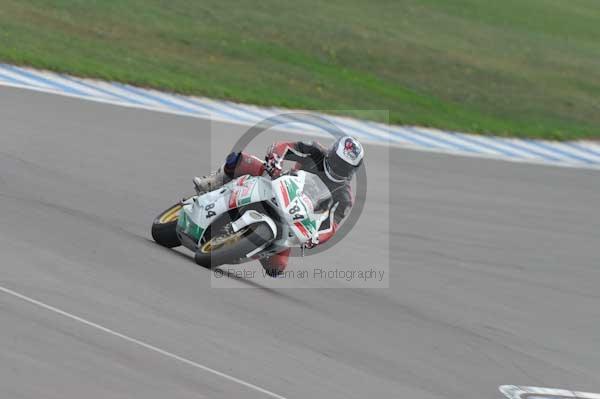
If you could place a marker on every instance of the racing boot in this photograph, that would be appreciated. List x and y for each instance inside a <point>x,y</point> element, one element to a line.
<point>211,182</point>
<point>236,164</point>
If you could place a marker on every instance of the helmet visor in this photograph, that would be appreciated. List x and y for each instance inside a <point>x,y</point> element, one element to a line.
<point>340,169</point>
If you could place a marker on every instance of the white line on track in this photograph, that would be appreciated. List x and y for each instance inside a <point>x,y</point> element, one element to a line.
<point>521,392</point>
<point>140,343</point>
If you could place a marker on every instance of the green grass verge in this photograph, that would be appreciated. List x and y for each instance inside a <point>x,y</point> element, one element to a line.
<point>527,68</point>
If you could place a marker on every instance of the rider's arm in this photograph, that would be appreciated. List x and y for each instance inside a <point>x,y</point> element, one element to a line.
<point>296,151</point>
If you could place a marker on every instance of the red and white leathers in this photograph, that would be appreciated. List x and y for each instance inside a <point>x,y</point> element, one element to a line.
<point>309,157</point>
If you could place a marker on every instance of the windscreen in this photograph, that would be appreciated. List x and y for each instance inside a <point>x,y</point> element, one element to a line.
<point>317,191</point>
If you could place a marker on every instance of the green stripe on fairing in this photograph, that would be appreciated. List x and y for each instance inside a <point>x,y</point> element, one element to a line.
<point>310,224</point>
<point>195,231</point>
<point>292,189</point>
<point>190,228</point>
<point>247,199</point>
<point>182,219</point>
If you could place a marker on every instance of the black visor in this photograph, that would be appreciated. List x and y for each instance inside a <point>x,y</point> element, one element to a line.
<point>340,169</point>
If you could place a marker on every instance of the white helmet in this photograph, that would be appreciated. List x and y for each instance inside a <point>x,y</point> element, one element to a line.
<point>343,158</point>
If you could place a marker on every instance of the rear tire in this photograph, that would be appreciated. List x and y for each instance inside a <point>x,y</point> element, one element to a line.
<point>164,227</point>
<point>258,235</point>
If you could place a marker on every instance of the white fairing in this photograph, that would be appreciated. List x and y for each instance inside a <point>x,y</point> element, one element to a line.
<point>297,197</point>
<point>251,217</point>
<point>292,197</point>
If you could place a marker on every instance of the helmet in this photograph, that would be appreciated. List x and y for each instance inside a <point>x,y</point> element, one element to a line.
<point>343,158</point>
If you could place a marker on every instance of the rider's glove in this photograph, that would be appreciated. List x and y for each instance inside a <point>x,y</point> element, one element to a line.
<point>273,164</point>
<point>311,243</point>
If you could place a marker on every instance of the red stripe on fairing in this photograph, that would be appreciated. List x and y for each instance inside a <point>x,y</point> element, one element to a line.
<point>302,229</point>
<point>286,198</point>
<point>233,199</point>
<point>242,180</point>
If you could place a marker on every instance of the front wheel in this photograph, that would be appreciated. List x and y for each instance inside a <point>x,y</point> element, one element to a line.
<point>164,227</point>
<point>227,246</point>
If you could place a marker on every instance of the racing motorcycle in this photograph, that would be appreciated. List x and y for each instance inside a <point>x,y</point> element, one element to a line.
<point>250,217</point>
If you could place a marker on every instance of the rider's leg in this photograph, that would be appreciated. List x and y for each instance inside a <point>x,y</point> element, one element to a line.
<point>276,264</point>
<point>246,164</point>
<point>236,164</point>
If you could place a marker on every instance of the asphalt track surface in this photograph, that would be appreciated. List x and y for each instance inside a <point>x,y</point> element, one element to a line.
<point>494,273</point>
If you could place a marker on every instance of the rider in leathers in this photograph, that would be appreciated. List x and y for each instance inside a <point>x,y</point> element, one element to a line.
<point>335,166</point>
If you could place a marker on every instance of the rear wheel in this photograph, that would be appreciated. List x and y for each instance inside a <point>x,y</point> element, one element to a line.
<point>227,246</point>
<point>164,227</point>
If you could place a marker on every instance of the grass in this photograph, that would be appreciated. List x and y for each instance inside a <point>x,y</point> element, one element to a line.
<point>527,68</point>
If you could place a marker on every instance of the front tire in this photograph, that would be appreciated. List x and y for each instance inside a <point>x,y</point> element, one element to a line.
<point>164,227</point>
<point>253,237</point>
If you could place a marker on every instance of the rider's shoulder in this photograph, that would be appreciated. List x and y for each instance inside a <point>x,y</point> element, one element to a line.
<point>311,145</point>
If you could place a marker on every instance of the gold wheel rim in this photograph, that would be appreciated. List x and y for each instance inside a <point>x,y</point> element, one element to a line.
<point>220,241</point>
<point>171,215</point>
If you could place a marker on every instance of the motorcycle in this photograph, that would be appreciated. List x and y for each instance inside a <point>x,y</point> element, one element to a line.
<point>251,217</point>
